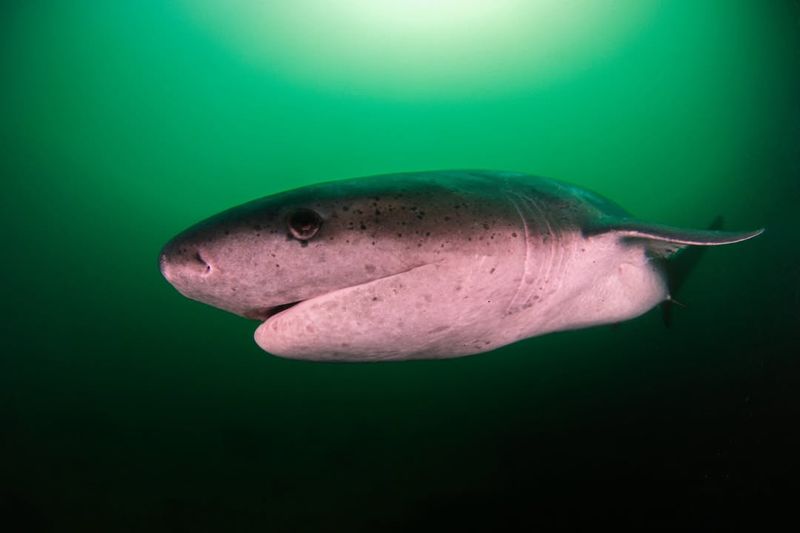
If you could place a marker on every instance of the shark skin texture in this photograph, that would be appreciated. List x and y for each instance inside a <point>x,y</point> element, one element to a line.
<point>426,265</point>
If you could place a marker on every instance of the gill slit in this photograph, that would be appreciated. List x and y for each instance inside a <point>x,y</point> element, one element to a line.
<point>511,304</point>
<point>537,274</point>
<point>555,259</point>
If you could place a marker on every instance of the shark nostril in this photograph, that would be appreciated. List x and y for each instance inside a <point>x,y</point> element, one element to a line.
<point>206,268</point>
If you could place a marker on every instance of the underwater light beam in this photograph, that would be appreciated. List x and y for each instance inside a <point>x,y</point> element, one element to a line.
<point>419,47</point>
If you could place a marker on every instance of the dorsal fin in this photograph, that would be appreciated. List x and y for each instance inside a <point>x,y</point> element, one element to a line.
<point>663,241</point>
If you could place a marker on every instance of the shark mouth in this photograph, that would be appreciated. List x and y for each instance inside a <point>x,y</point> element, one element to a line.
<point>264,314</point>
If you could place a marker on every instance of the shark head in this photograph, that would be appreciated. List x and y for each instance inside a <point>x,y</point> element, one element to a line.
<point>265,258</point>
<point>258,258</point>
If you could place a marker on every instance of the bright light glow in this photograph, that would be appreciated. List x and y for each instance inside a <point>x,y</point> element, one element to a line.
<point>422,47</point>
<point>409,17</point>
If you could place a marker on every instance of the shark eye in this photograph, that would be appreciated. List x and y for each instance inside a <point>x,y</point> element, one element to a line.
<point>304,223</point>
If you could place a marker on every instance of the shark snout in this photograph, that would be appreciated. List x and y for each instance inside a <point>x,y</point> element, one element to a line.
<point>182,264</point>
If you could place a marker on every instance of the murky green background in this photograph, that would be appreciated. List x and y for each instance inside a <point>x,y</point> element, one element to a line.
<point>124,406</point>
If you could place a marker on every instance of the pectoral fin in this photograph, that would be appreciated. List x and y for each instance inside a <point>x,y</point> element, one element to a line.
<point>664,241</point>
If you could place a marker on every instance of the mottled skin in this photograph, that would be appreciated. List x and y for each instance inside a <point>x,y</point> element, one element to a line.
<point>426,265</point>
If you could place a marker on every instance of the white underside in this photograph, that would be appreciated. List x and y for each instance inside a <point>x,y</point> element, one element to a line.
<point>457,307</point>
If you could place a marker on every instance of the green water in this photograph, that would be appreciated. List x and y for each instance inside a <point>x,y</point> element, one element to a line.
<point>124,406</point>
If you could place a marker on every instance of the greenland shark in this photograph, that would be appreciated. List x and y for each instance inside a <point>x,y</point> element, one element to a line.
<point>426,265</point>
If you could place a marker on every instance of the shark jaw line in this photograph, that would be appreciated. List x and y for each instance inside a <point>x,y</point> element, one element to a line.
<point>264,314</point>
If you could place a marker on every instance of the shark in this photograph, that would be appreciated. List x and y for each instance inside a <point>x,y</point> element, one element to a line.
<point>427,265</point>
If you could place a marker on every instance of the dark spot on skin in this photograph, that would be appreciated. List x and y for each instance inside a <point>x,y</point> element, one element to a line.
<point>377,212</point>
<point>492,271</point>
<point>427,233</point>
<point>374,298</point>
<point>258,234</point>
<point>277,265</point>
<point>399,234</point>
<point>363,227</point>
<point>303,243</point>
<point>514,234</point>
<point>369,268</point>
<point>227,232</point>
<point>373,243</point>
<point>485,225</point>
